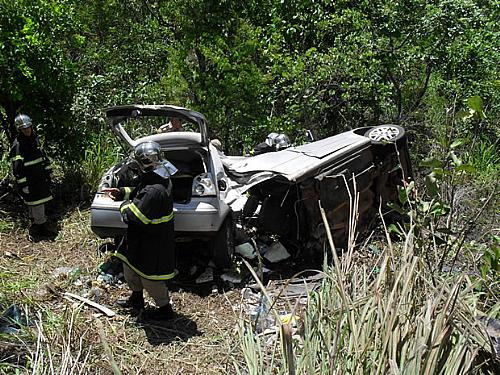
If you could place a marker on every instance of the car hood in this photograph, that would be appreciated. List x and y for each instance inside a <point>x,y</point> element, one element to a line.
<point>295,163</point>
<point>117,115</point>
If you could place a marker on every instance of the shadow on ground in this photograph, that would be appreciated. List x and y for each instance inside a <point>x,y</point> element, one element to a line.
<point>66,199</point>
<point>164,332</point>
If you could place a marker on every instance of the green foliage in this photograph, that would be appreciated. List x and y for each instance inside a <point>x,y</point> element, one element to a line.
<point>251,68</point>
<point>85,173</point>
<point>37,75</point>
<point>490,261</point>
<point>437,213</point>
<point>484,157</point>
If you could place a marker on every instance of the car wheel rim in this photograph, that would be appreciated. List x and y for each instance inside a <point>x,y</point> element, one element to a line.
<point>384,133</point>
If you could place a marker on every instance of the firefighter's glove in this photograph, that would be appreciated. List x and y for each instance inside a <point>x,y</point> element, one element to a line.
<point>26,190</point>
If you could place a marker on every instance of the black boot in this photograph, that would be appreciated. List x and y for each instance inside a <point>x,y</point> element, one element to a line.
<point>162,313</point>
<point>135,301</point>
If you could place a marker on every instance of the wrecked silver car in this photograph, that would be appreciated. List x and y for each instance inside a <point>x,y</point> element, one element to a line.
<point>275,193</point>
<point>287,187</point>
<point>201,188</point>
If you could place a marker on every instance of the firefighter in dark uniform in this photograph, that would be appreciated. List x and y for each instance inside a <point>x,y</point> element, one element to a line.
<point>148,254</point>
<point>31,169</point>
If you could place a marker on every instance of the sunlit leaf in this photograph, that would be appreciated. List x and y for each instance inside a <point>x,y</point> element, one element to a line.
<point>431,184</point>
<point>431,162</point>
<point>476,104</point>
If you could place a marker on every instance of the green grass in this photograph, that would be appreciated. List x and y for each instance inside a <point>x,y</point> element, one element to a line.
<point>485,158</point>
<point>386,316</point>
<point>100,156</point>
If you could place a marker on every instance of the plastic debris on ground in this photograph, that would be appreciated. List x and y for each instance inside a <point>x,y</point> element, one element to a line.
<point>206,276</point>
<point>262,317</point>
<point>65,272</point>
<point>110,272</point>
<point>232,277</point>
<point>276,252</point>
<point>12,320</point>
<point>289,319</point>
<point>246,250</point>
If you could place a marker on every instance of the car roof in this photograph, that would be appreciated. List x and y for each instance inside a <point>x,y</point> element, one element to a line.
<point>296,163</point>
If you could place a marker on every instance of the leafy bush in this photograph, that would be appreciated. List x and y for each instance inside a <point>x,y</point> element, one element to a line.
<point>85,173</point>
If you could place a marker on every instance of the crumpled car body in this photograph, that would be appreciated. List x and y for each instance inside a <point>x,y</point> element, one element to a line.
<point>355,171</point>
<point>277,193</point>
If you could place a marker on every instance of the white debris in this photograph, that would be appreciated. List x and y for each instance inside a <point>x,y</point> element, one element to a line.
<point>231,277</point>
<point>206,276</point>
<point>246,293</point>
<point>276,252</point>
<point>246,250</point>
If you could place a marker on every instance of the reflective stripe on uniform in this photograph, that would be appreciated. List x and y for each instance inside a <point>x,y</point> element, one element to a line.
<point>17,157</point>
<point>33,162</point>
<point>40,201</point>
<point>135,210</point>
<point>127,191</point>
<point>168,276</point>
<point>21,180</point>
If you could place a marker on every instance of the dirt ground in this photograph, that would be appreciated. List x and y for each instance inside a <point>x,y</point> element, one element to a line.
<point>34,275</point>
<point>201,340</point>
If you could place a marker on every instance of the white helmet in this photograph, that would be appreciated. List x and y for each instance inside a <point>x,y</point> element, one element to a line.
<point>148,155</point>
<point>282,141</point>
<point>270,139</point>
<point>23,121</point>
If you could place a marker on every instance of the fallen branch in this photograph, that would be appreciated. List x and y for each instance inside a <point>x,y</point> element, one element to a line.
<point>99,307</point>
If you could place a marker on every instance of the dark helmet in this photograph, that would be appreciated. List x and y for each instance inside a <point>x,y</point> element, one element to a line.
<point>148,155</point>
<point>23,121</point>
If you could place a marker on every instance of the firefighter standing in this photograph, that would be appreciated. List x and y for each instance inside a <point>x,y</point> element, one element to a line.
<point>31,170</point>
<point>148,254</point>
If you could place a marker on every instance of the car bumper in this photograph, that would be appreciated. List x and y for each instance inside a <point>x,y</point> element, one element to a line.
<point>197,216</point>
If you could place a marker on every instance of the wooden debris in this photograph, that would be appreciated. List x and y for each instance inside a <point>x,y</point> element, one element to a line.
<point>101,308</point>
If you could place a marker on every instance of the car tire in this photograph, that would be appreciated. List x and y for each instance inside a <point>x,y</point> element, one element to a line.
<point>223,244</point>
<point>386,134</point>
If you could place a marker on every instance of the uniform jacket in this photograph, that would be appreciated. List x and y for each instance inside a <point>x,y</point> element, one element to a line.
<point>31,168</point>
<point>149,249</point>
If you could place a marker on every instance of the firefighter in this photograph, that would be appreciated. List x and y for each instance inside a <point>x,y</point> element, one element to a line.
<point>148,254</point>
<point>31,169</point>
<point>273,142</point>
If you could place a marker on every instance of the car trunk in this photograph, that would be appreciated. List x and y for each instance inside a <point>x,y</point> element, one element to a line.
<point>190,163</point>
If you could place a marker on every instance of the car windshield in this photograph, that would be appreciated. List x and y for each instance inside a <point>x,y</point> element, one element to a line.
<point>138,127</point>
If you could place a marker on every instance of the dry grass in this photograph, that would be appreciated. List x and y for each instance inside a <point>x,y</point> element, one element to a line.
<point>68,338</point>
<point>387,316</point>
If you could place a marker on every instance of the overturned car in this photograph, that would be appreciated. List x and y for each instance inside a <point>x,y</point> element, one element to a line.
<point>278,193</point>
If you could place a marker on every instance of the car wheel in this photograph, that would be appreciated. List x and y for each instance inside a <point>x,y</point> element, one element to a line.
<point>223,244</point>
<point>384,134</point>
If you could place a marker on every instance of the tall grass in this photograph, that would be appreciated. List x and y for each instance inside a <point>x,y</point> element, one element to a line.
<point>101,154</point>
<point>485,158</point>
<point>390,316</point>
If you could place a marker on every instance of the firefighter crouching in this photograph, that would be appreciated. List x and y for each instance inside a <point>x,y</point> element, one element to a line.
<point>31,169</point>
<point>148,253</point>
